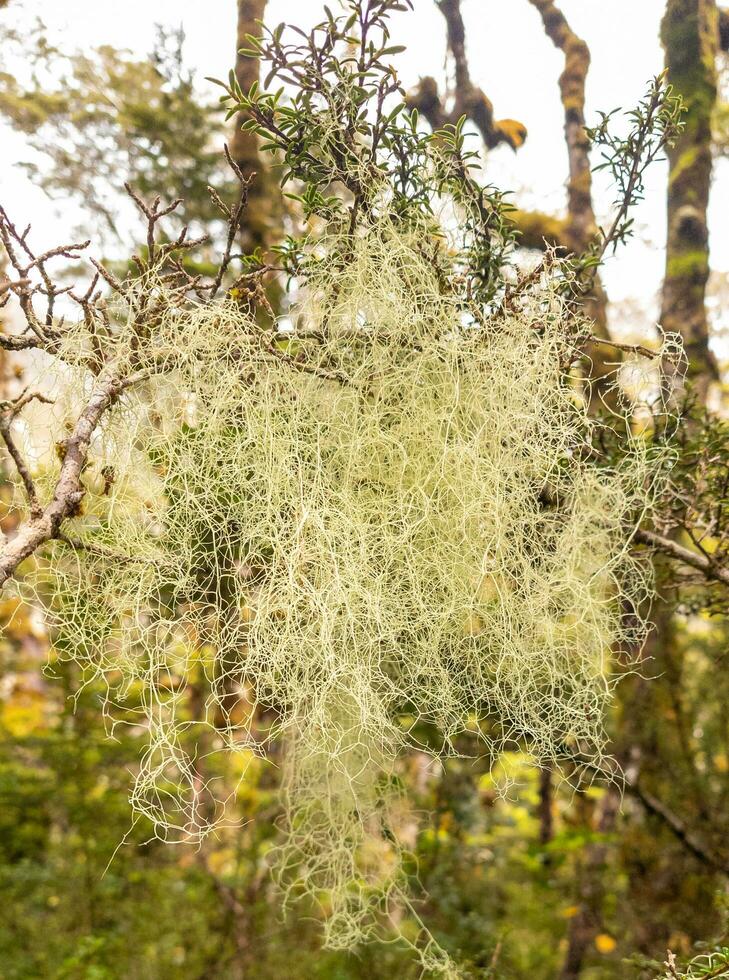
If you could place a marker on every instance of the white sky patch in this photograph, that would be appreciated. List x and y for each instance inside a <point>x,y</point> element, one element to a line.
<point>510,58</point>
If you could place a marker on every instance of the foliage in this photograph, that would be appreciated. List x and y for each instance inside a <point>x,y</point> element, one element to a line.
<point>656,122</point>
<point>345,126</point>
<point>100,118</point>
<point>158,588</point>
<point>697,503</point>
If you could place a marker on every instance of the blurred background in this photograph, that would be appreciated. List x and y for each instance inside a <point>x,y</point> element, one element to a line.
<point>535,882</point>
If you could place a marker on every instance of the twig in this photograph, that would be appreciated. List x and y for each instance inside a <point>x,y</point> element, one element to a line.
<point>305,367</point>
<point>95,549</point>
<point>690,841</point>
<point>627,348</point>
<point>153,213</point>
<point>18,284</point>
<point>637,168</point>
<point>710,568</point>
<point>8,412</point>
<point>108,277</point>
<point>233,216</point>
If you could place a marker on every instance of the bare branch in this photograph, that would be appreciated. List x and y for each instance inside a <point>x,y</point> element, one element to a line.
<point>8,412</point>
<point>691,841</point>
<point>706,565</point>
<point>94,549</point>
<point>23,342</point>
<point>678,828</point>
<point>18,284</point>
<point>61,251</point>
<point>108,277</point>
<point>469,100</point>
<point>153,214</point>
<point>68,493</point>
<point>234,216</point>
<point>113,376</point>
<point>301,365</point>
<point>626,348</point>
<point>17,248</point>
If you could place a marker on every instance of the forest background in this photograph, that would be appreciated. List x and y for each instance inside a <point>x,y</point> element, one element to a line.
<point>540,883</point>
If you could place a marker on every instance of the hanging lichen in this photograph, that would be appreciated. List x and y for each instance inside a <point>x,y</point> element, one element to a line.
<point>391,512</point>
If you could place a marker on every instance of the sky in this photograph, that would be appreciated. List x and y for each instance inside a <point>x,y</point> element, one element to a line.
<point>511,59</point>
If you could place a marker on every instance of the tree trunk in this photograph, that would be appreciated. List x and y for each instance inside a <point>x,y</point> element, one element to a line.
<point>579,229</point>
<point>587,922</point>
<point>244,145</point>
<point>690,35</point>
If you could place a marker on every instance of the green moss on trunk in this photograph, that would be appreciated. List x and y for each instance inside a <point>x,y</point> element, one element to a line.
<point>244,145</point>
<point>690,34</point>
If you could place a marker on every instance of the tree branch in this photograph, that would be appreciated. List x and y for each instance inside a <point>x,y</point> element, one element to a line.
<point>539,230</point>
<point>678,828</point>
<point>68,491</point>
<point>675,824</point>
<point>678,552</point>
<point>469,100</point>
<point>233,215</point>
<point>18,284</point>
<point>8,412</point>
<point>724,28</point>
<point>581,226</point>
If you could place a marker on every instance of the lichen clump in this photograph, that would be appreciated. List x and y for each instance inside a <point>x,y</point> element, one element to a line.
<point>387,514</point>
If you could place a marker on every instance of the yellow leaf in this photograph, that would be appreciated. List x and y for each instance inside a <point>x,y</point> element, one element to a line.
<point>604,943</point>
<point>571,911</point>
<point>221,861</point>
<point>99,788</point>
<point>22,716</point>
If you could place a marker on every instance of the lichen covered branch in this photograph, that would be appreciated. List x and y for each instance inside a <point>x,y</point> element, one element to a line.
<point>114,368</point>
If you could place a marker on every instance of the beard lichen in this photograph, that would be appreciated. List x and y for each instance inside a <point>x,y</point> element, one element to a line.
<point>388,514</point>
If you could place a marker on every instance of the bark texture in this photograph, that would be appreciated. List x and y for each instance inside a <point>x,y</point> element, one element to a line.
<point>469,100</point>
<point>69,490</point>
<point>690,35</point>
<point>579,229</point>
<point>244,145</point>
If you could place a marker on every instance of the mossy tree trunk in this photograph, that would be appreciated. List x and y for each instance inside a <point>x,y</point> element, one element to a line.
<point>662,754</point>
<point>244,145</point>
<point>690,35</point>
<point>579,229</point>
